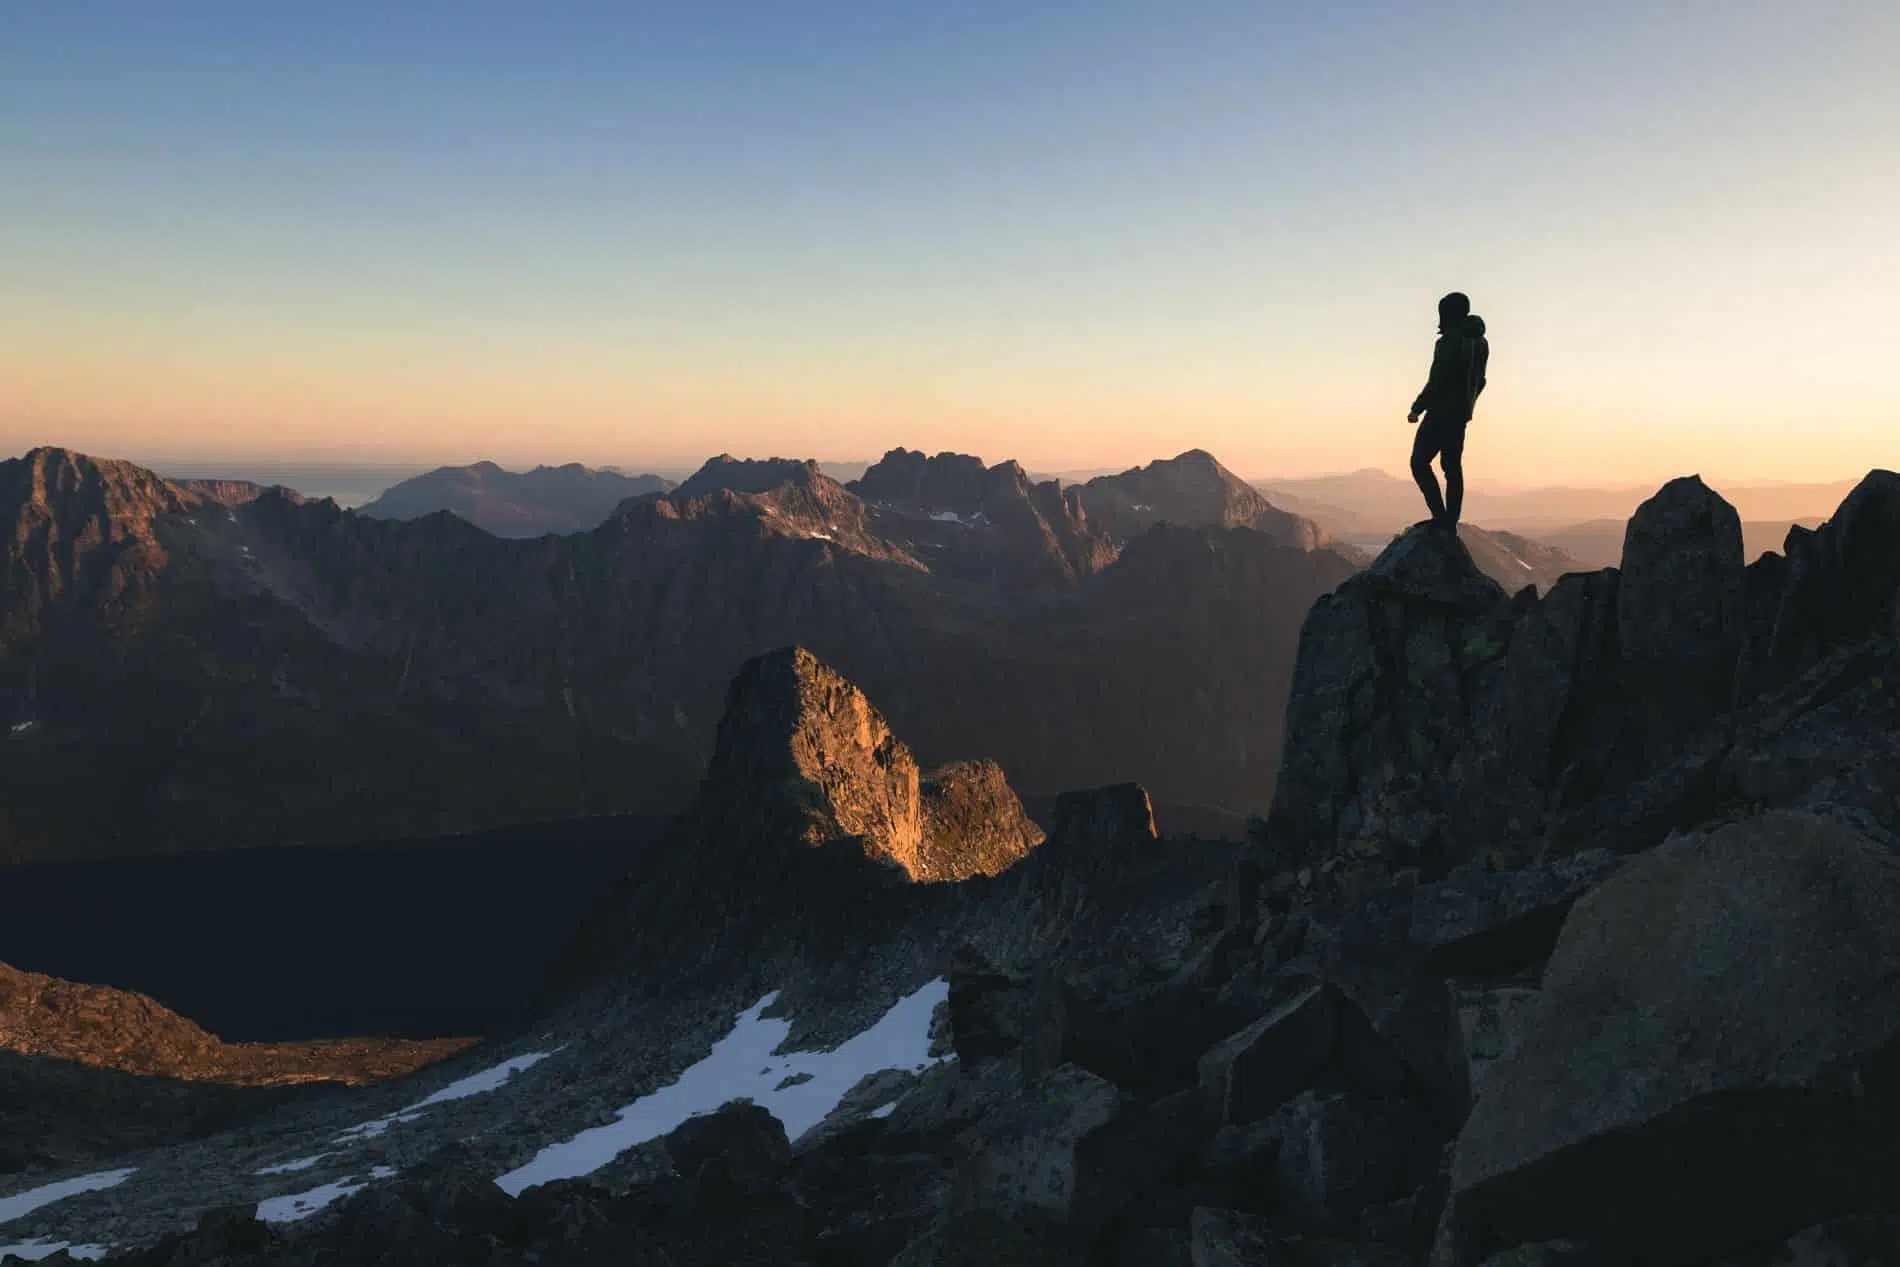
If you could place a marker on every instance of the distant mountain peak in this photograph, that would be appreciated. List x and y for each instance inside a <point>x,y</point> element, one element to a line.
<point>750,475</point>
<point>1192,488</point>
<point>547,499</point>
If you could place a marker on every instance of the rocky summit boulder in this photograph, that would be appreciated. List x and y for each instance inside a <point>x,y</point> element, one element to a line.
<point>1251,1073</point>
<point>746,1139</point>
<point>1715,1060</point>
<point>1030,1155</point>
<point>1680,612</point>
<point>1382,701</point>
<point>1681,591</point>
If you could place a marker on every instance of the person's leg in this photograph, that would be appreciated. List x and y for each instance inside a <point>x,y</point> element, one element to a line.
<point>1424,449</point>
<point>1452,458</point>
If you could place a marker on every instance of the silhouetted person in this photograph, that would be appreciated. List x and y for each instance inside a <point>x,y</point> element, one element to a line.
<point>1450,395</point>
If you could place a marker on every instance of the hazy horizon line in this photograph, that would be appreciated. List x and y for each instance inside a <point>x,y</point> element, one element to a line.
<point>236,466</point>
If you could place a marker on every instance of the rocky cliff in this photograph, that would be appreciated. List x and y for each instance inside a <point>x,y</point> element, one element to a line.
<point>1434,719</point>
<point>809,796</point>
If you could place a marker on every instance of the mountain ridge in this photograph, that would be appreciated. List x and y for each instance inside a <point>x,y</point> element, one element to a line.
<point>546,499</point>
<point>281,636</point>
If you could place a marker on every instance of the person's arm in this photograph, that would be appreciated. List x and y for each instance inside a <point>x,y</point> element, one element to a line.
<point>1436,380</point>
<point>1480,359</point>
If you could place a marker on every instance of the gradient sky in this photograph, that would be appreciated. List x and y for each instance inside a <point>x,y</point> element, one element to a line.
<point>1078,235</point>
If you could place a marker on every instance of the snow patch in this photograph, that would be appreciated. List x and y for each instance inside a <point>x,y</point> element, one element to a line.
<point>370,1130</point>
<point>946,516</point>
<point>820,536</point>
<point>33,1251</point>
<point>21,727</point>
<point>292,1167</point>
<point>21,1204</point>
<point>884,1110</point>
<point>482,1083</point>
<point>900,1039</point>
<point>301,1205</point>
<point>485,1081</point>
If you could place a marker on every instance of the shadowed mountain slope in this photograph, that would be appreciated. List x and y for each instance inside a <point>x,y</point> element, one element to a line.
<point>547,499</point>
<point>176,670</point>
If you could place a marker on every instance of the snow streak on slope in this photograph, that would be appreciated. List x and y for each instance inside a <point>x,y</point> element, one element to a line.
<point>301,1205</point>
<point>291,1167</point>
<point>33,1251</point>
<point>745,1065</point>
<point>475,1084</point>
<point>21,1204</point>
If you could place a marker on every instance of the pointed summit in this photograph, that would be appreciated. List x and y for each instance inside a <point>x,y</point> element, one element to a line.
<point>812,761</point>
<point>1194,490</point>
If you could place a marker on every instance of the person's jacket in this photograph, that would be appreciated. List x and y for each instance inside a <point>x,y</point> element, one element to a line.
<point>1458,364</point>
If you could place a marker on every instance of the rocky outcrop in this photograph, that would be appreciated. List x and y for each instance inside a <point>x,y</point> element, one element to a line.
<point>746,1141</point>
<point>1103,819</point>
<point>1840,579</point>
<point>814,762</point>
<point>806,757</point>
<point>973,823</point>
<point>810,803</point>
<point>1502,921</point>
<point>119,1029</point>
<point>1396,682</point>
<point>1434,721</point>
<point>1680,619</point>
<point>1714,1058</point>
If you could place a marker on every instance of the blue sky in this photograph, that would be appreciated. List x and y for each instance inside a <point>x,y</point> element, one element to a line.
<point>1076,235</point>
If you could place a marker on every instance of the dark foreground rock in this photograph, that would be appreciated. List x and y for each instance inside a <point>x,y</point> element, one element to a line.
<point>1716,1055</point>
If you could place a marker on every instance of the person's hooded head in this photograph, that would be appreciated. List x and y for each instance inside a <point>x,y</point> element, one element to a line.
<point>1452,311</point>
